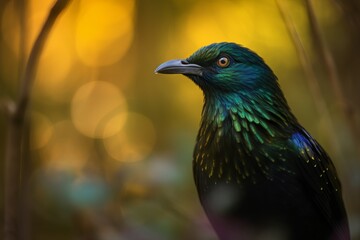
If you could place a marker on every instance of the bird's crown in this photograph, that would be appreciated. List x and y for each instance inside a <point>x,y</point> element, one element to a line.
<point>208,54</point>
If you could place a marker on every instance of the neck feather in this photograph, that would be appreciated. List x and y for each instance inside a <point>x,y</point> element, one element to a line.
<point>235,125</point>
<point>257,118</point>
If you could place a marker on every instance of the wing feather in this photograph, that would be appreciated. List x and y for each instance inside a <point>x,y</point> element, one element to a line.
<point>320,176</point>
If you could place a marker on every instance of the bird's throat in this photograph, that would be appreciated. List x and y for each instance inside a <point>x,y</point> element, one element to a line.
<point>231,133</point>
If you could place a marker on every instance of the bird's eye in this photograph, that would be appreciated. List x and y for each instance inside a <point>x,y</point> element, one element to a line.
<point>223,62</point>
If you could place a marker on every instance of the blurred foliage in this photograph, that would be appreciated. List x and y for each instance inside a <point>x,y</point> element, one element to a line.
<point>111,143</point>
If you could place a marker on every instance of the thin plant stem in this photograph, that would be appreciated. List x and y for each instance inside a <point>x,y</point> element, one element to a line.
<point>311,79</point>
<point>332,72</point>
<point>34,57</point>
<point>16,125</point>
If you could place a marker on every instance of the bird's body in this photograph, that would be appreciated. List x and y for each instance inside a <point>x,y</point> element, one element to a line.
<point>258,173</point>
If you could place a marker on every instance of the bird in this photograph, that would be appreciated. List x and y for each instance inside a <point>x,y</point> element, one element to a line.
<point>258,173</point>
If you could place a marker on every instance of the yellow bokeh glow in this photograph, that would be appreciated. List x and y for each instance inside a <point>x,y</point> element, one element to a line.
<point>35,16</point>
<point>54,67</point>
<point>10,27</point>
<point>116,123</point>
<point>104,31</point>
<point>67,149</point>
<point>41,130</point>
<point>243,22</point>
<point>134,142</point>
<point>95,109</point>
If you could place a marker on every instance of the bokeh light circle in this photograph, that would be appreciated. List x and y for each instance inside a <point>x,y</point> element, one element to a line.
<point>41,130</point>
<point>56,63</point>
<point>104,31</point>
<point>36,13</point>
<point>239,25</point>
<point>67,149</point>
<point>94,106</point>
<point>134,142</point>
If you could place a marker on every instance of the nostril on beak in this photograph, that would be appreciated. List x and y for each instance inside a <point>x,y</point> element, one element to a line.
<point>184,62</point>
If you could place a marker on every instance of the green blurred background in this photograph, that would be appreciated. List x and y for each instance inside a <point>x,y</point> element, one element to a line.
<point>111,142</point>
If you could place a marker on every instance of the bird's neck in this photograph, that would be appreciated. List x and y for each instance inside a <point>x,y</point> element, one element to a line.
<point>234,129</point>
<point>246,119</point>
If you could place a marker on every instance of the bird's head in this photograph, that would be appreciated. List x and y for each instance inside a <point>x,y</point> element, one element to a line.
<point>224,68</point>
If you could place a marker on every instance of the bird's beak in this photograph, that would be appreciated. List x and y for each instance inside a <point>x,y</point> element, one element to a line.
<point>179,67</point>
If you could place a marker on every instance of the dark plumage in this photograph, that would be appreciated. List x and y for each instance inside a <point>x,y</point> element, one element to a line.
<point>258,173</point>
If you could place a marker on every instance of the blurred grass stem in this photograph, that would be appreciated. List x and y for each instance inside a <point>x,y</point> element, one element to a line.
<point>16,125</point>
<point>329,63</point>
<point>312,81</point>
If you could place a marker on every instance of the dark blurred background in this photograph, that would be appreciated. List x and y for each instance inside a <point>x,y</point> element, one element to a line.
<point>111,142</point>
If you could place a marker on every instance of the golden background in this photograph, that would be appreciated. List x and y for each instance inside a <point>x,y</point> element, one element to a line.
<point>111,142</point>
